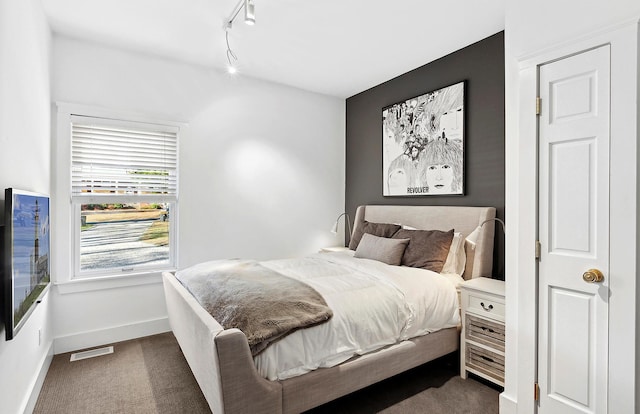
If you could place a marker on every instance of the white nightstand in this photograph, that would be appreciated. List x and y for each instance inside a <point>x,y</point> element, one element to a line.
<point>333,249</point>
<point>482,339</point>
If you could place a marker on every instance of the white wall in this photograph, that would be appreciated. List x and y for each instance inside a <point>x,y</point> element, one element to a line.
<point>261,171</point>
<point>531,27</point>
<point>25,164</point>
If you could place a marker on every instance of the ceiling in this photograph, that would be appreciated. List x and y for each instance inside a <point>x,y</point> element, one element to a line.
<point>333,47</point>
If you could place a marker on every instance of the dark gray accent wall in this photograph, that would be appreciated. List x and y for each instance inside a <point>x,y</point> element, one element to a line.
<point>481,65</point>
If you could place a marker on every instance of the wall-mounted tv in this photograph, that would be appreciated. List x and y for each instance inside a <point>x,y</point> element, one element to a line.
<point>26,256</point>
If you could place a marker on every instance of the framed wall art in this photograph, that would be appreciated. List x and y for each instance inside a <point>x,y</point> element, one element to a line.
<point>423,144</point>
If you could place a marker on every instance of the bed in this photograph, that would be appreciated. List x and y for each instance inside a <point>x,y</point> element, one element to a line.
<point>223,364</point>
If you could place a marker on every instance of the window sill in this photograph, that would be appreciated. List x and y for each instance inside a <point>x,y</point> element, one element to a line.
<point>108,282</point>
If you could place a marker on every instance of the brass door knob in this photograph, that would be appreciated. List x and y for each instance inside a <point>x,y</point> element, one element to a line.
<point>593,276</point>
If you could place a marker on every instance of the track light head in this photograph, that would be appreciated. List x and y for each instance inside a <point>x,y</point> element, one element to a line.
<point>249,13</point>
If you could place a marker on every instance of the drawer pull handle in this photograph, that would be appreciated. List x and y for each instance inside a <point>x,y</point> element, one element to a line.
<point>487,308</point>
<point>488,329</point>
<point>487,358</point>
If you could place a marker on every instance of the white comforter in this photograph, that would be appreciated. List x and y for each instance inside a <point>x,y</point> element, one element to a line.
<point>374,305</point>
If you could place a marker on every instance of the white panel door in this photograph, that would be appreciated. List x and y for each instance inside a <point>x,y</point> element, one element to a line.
<point>574,233</point>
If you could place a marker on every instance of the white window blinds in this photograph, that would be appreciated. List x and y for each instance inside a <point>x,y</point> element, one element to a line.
<point>123,159</point>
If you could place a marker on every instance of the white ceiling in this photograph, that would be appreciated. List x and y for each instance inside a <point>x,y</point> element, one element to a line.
<point>334,47</point>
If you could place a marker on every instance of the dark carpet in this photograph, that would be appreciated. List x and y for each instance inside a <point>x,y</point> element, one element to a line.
<point>150,375</point>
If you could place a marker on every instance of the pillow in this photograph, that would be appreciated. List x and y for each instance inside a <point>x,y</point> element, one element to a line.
<point>427,249</point>
<point>382,249</point>
<point>377,229</point>
<point>457,258</point>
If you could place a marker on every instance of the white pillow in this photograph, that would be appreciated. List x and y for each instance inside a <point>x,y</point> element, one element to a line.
<point>457,258</point>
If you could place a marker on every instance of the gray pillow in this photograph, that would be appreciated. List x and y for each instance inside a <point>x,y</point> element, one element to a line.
<point>382,249</point>
<point>377,229</point>
<point>427,249</point>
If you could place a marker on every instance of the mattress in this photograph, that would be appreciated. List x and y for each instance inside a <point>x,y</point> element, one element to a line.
<point>374,305</point>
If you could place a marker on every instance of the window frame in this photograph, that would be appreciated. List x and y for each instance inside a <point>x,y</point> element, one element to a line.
<point>66,264</point>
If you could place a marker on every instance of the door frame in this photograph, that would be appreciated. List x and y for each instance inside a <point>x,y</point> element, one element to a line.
<point>522,214</point>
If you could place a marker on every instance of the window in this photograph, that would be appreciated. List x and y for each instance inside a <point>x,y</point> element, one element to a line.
<point>123,196</point>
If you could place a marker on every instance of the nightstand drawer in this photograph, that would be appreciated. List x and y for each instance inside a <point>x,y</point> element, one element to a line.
<point>486,362</point>
<point>482,305</point>
<point>484,331</point>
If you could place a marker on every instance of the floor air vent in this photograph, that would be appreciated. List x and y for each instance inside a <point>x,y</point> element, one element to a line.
<point>91,353</point>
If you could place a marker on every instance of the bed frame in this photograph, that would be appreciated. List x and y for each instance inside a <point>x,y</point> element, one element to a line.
<point>222,364</point>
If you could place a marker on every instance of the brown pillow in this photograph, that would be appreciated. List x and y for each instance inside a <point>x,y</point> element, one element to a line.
<point>427,249</point>
<point>377,229</point>
<point>382,249</point>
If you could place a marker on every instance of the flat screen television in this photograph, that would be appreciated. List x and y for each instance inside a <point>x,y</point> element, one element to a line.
<point>26,256</point>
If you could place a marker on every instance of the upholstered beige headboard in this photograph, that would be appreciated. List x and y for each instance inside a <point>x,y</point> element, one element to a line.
<point>462,219</point>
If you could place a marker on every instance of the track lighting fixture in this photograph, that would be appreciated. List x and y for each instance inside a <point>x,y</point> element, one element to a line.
<point>249,18</point>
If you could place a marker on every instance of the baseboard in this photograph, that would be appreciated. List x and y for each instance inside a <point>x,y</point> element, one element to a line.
<point>39,380</point>
<point>110,335</point>
<point>507,404</point>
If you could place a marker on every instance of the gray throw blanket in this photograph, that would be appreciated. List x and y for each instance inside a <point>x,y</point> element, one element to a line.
<point>264,304</point>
